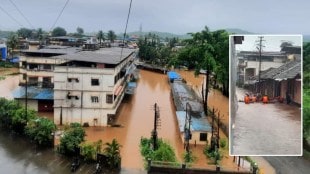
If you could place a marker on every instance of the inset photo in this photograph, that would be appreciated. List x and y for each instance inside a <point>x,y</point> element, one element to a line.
<point>265,95</point>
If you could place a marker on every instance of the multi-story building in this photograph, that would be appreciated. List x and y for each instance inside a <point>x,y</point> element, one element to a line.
<point>250,63</point>
<point>36,76</point>
<point>90,85</point>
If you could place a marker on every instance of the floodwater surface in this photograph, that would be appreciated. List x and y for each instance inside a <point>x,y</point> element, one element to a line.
<point>266,129</point>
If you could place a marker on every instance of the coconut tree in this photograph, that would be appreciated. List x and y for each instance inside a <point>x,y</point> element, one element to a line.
<point>111,36</point>
<point>12,43</point>
<point>100,36</point>
<point>112,151</point>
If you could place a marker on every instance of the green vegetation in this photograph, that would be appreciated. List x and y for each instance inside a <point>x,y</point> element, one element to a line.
<point>189,157</point>
<point>90,150</point>
<point>214,155</point>
<point>41,130</point>
<point>112,151</point>
<point>71,140</point>
<point>14,117</point>
<point>205,50</point>
<point>58,31</point>
<point>306,95</point>
<point>164,153</point>
<point>111,36</point>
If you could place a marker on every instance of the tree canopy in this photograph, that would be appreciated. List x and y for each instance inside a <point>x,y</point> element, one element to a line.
<point>111,36</point>
<point>59,31</point>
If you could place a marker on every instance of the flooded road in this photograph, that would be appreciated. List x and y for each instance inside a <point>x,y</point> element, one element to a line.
<point>266,129</point>
<point>136,115</point>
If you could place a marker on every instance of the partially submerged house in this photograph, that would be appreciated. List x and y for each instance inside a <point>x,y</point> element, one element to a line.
<point>189,111</point>
<point>278,82</point>
<point>90,85</point>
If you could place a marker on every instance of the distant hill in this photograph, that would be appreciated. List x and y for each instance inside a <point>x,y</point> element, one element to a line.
<point>4,34</point>
<point>306,38</point>
<point>237,31</point>
<point>162,35</point>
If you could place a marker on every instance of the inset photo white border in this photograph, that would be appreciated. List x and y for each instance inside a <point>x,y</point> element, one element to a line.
<point>264,118</point>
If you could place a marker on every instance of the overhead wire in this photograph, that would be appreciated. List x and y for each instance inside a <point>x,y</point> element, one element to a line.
<point>128,15</point>
<point>11,16</point>
<point>59,15</point>
<point>20,12</point>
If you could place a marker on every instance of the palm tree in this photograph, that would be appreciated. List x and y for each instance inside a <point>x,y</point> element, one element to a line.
<point>100,36</point>
<point>12,43</point>
<point>112,151</point>
<point>111,36</point>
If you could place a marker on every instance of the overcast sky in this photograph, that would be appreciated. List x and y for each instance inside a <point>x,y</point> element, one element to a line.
<point>176,16</point>
<point>269,42</point>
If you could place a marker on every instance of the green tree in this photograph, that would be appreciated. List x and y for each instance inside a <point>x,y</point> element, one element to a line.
<point>59,31</point>
<point>88,151</point>
<point>100,36</point>
<point>112,151</point>
<point>20,118</point>
<point>164,152</point>
<point>12,43</point>
<point>72,138</point>
<point>41,131</point>
<point>25,33</point>
<point>7,109</point>
<point>111,36</point>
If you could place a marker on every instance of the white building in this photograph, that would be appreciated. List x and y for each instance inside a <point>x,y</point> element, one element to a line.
<point>90,86</point>
<point>37,69</point>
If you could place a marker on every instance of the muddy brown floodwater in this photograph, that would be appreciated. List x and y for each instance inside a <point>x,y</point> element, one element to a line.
<point>136,115</point>
<point>266,129</point>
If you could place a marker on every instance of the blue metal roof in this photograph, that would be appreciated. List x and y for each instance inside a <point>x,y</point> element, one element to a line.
<point>197,124</point>
<point>173,75</point>
<point>34,92</point>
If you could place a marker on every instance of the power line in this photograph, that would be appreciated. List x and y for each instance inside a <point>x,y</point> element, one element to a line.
<point>11,17</point>
<point>59,14</point>
<point>21,14</point>
<point>126,28</point>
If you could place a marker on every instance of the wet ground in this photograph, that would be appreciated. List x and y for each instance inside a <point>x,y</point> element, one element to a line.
<point>266,129</point>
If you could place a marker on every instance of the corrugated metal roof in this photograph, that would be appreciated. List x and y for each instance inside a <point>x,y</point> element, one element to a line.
<point>197,124</point>
<point>34,93</point>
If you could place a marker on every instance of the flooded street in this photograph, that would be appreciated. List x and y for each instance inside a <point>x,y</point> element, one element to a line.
<point>266,129</point>
<point>136,116</point>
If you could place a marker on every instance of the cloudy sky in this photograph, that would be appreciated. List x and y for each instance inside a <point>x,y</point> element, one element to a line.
<point>177,16</point>
<point>269,42</point>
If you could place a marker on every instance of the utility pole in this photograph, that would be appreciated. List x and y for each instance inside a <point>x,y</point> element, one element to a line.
<point>259,47</point>
<point>187,127</point>
<point>26,92</point>
<point>207,87</point>
<point>156,124</point>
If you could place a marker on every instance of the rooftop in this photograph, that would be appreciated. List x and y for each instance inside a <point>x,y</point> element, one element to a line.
<point>197,124</point>
<point>112,55</point>
<point>53,50</point>
<point>287,71</point>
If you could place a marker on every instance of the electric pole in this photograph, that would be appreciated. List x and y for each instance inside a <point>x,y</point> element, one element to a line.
<point>156,124</point>
<point>259,47</point>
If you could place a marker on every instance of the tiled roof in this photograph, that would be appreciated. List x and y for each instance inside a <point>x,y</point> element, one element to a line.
<point>286,71</point>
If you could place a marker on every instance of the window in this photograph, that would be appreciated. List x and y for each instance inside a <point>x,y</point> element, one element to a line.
<point>109,98</point>
<point>94,99</point>
<point>95,82</point>
<point>73,79</point>
<point>203,137</point>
